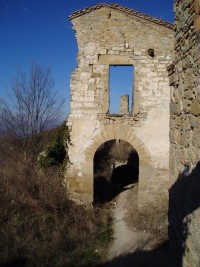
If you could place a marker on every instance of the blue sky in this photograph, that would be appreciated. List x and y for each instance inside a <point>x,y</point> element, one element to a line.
<point>39,31</point>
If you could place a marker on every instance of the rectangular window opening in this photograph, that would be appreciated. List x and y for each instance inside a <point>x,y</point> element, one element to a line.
<point>121,81</point>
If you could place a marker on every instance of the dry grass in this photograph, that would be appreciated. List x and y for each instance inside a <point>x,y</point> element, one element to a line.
<point>151,219</point>
<point>39,226</point>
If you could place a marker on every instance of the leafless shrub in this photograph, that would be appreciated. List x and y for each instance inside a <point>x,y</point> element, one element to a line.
<point>32,106</point>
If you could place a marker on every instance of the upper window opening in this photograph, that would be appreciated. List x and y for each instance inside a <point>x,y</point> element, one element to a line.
<point>121,89</point>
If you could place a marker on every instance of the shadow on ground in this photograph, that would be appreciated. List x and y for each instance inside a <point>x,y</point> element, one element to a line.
<point>157,257</point>
<point>105,191</point>
<point>18,262</point>
<point>124,175</point>
<point>122,178</point>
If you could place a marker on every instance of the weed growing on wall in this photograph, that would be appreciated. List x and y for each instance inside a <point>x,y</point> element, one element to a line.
<point>56,150</point>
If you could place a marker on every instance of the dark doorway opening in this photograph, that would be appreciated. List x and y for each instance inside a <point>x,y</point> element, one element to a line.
<point>116,168</point>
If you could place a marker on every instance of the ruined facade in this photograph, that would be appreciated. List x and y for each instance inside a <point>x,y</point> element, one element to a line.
<point>110,35</point>
<point>184,205</point>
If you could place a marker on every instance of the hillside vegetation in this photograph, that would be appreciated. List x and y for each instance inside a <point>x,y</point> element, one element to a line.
<point>39,225</point>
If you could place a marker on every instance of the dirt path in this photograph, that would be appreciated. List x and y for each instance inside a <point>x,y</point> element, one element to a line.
<point>125,239</point>
<point>131,247</point>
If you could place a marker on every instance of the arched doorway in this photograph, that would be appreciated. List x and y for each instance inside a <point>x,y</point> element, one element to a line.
<point>116,168</point>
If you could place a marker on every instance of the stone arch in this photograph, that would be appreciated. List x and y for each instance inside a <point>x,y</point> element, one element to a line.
<point>119,132</point>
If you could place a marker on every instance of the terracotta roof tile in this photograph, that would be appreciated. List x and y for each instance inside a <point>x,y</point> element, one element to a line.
<point>125,10</point>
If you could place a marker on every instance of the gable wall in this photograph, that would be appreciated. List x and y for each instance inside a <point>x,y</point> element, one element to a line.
<point>109,37</point>
<point>105,36</point>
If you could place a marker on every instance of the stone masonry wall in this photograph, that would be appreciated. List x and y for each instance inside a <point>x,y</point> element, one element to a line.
<point>124,104</point>
<point>184,211</point>
<point>113,35</point>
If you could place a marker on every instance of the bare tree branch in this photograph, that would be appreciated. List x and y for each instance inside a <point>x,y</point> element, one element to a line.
<point>32,106</point>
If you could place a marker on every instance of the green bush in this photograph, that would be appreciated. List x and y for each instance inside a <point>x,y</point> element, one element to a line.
<point>56,150</point>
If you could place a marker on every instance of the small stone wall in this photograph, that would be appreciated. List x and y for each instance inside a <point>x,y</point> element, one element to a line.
<point>113,35</point>
<point>124,104</point>
<point>184,208</point>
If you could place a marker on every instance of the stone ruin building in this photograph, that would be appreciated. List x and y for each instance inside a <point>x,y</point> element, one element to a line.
<point>112,35</point>
<point>184,195</point>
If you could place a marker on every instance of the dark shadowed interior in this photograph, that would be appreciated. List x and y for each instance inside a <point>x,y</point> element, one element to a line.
<point>116,168</point>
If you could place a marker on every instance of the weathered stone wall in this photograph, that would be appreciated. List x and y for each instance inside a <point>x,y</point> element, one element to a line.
<point>184,212</point>
<point>112,35</point>
<point>124,104</point>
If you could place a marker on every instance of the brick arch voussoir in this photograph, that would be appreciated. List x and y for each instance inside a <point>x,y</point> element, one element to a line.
<point>143,152</point>
<point>101,138</point>
<point>127,134</point>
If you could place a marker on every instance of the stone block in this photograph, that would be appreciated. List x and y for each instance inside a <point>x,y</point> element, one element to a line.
<point>194,122</point>
<point>197,22</point>
<point>195,107</point>
<point>115,60</point>
<point>96,75</point>
<point>197,7</point>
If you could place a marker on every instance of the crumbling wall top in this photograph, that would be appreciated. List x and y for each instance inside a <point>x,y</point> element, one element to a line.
<point>125,10</point>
